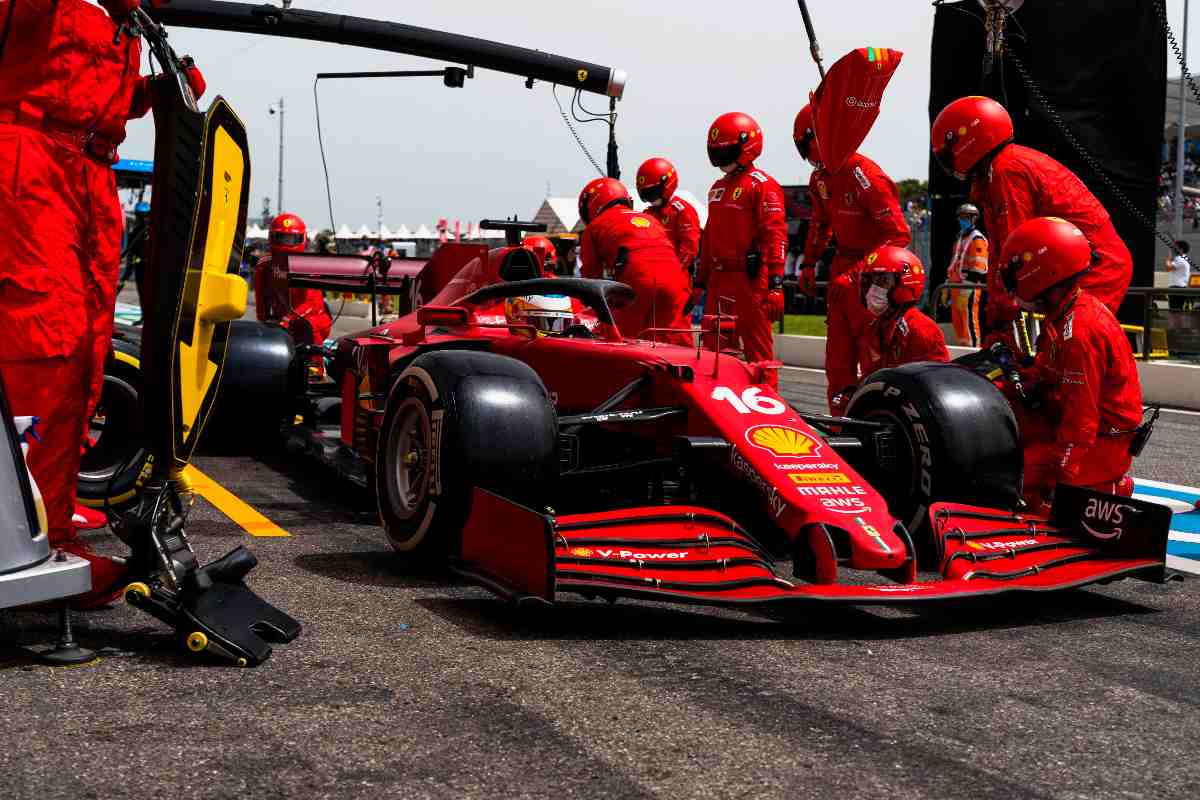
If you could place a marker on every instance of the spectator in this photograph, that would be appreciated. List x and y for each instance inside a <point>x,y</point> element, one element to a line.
<point>1180,268</point>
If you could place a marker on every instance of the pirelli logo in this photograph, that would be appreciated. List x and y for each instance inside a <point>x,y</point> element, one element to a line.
<point>819,478</point>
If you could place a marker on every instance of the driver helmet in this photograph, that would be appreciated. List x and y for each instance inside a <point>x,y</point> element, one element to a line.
<point>547,313</point>
<point>288,234</point>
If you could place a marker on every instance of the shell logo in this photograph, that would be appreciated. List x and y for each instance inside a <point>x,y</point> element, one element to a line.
<point>640,222</point>
<point>581,552</point>
<point>783,441</point>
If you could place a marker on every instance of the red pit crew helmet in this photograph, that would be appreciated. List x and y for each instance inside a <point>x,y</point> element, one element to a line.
<point>599,195</point>
<point>967,131</point>
<point>734,138</point>
<point>547,255</point>
<point>805,136</point>
<point>657,180</point>
<point>288,234</point>
<point>1042,253</point>
<point>897,270</point>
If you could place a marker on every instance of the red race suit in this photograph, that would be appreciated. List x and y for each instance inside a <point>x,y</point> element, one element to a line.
<point>1021,184</point>
<point>682,224</point>
<point>859,207</point>
<point>746,218</point>
<point>1091,402</point>
<point>631,247</point>
<point>67,86</point>
<point>903,338</point>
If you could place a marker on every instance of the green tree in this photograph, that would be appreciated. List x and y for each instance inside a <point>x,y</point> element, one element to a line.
<point>911,189</point>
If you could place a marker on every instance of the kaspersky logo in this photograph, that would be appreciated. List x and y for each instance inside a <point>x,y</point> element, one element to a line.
<point>780,440</point>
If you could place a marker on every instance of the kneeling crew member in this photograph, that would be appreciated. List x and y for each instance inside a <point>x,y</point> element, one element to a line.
<point>892,280</point>
<point>1084,374</point>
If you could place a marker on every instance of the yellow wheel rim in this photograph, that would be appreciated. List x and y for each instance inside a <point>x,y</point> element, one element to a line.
<point>197,641</point>
<point>139,589</point>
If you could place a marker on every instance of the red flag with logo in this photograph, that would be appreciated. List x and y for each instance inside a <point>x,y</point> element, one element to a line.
<point>846,103</point>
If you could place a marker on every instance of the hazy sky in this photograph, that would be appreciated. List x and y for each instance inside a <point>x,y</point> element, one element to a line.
<point>490,148</point>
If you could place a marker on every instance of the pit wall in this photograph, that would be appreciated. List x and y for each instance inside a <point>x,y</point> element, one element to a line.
<point>1167,383</point>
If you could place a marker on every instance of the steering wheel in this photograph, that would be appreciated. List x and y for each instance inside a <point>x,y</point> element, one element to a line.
<point>578,332</point>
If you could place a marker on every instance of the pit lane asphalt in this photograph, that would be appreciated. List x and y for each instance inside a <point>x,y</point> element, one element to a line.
<point>408,685</point>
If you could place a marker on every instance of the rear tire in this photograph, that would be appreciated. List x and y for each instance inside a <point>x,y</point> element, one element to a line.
<point>955,437</point>
<point>457,420</point>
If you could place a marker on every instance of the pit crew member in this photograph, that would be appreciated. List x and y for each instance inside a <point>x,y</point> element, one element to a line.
<point>892,280</point>
<point>69,80</point>
<point>744,245</point>
<point>859,208</point>
<point>657,181</point>
<point>972,140</point>
<point>546,253</point>
<point>631,247</point>
<point>1084,374</point>
<point>272,304</point>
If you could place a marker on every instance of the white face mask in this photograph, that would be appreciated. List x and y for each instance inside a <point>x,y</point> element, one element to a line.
<point>877,300</point>
<point>728,168</point>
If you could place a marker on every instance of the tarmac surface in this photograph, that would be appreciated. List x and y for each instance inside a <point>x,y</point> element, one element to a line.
<point>411,685</point>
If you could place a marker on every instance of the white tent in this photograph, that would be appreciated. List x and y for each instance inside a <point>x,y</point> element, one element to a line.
<point>364,232</point>
<point>403,232</point>
<point>344,232</point>
<point>423,232</point>
<point>558,214</point>
<point>385,233</point>
<point>701,208</point>
<point>256,232</point>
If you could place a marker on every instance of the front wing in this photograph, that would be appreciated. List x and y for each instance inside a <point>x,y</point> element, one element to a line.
<point>687,554</point>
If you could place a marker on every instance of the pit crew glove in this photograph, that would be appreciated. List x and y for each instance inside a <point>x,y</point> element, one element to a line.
<point>808,281</point>
<point>773,300</point>
<point>195,77</point>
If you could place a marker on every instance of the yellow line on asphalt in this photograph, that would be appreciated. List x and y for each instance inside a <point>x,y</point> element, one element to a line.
<point>232,506</point>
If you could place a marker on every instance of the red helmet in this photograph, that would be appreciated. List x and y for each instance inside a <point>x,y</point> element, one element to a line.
<point>546,253</point>
<point>1042,253</point>
<point>288,234</point>
<point>734,138</point>
<point>657,180</point>
<point>599,195</point>
<point>898,270</point>
<point>967,131</point>
<point>805,135</point>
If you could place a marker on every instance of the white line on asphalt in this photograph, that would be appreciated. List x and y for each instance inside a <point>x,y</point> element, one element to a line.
<point>822,372</point>
<point>1183,564</point>
<point>1161,485</point>
<point>1181,411</point>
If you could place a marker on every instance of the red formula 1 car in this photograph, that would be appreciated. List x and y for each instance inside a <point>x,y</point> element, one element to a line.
<point>587,462</point>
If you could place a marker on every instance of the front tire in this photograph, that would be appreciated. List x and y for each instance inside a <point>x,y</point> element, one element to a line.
<point>955,439</point>
<point>457,420</point>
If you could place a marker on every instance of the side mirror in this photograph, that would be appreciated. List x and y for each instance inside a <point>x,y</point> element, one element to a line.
<point>444,316</point>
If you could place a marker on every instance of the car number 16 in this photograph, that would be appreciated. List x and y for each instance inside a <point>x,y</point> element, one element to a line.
<point>750,402</point>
